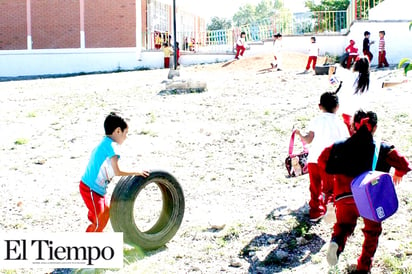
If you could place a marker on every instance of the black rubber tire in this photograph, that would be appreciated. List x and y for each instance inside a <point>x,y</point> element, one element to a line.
<point>171,215</point>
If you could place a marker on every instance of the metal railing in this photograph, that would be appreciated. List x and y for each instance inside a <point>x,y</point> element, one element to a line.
<point>287,23</point>
<point>359,9</point>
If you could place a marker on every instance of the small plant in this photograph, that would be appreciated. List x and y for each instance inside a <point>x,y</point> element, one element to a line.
<point>31,114</point>
<point>21,141</point>
<point>406,63</point>
<point>393,263</point>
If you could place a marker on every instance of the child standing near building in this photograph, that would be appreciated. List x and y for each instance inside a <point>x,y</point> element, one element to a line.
<point>353,53</point>
<point>102,167</point>
<point>382,52</point>
<point>324,130</point>
<point>366,46</point>
<point>167,51</point>
<point>278,48</point>
<point>347,160</point>
<point>177,53</point>
<point>240,45</point>
<point>313,55</point>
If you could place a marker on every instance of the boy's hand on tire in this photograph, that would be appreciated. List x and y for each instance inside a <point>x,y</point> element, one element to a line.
<point>144,173</point>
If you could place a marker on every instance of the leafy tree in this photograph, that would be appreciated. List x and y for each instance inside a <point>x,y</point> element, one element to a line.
<point>264,10</point>
<point>327,5</point>
<point>250,13</point>
<point>245,15</point>
<point>278,4</point>
<point>218,23</point>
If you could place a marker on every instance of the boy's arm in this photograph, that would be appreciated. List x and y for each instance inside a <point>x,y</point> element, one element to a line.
<point>118,172</point>
<point>308,138</point>
<point>391,84</point>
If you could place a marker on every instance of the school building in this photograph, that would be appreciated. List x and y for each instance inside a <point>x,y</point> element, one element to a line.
<point>63,24</point>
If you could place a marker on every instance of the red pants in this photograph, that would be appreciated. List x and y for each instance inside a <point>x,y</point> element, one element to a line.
<point>382,59</point>
<point>346,217</point>
<point>99,211</point>
<point>350,59</point>
<point>239,51</point>
<point>369,54</point>
<point>311,59</point>
<point>321,184</point>
<point>167,62</point>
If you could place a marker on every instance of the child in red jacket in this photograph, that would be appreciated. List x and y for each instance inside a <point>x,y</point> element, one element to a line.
<point>347,160</point>
<point>353,53</point>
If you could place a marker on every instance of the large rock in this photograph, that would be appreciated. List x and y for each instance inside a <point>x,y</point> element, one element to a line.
<point>183,86</point>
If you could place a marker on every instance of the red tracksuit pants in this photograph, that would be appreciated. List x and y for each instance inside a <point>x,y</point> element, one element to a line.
<point>98,206</point>
<point>311,59</point>
<point>239,51</point>
<point>382,59</point>
<point>347,215</point>
<point>321,190</point>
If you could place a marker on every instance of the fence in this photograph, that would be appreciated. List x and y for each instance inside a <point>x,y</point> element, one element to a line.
<point>359,9</point>
<point>287,23</point>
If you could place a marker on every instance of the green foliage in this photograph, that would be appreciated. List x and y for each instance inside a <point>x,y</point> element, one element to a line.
<point>21,141</point>
<point>249,13</point>
<point>328,5</point>
<point>410,26</point>
<point>245,15</point>
<point>406,63</point>
<point>218,23</point>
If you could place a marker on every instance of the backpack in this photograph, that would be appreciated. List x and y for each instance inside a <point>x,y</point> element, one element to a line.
<point>374,192</point>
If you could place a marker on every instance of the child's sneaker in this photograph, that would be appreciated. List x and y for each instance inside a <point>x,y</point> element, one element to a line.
<point>332,255</point>
<point>330,216</point>
<point>316,218</point>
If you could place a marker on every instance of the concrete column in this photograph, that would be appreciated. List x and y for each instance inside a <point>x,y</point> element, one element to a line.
<point>138,28</point>
<point>82,34</point>
<point>28,19</point>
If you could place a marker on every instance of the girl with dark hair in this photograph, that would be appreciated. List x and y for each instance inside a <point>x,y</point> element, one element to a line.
<point>346,160</point>
<point>357,89</point>
<point>354,94</point>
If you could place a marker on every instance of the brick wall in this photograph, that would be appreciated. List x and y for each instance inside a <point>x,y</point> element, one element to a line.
<point>13,26</point>
<point>55,24</point>
<point>110,23</point>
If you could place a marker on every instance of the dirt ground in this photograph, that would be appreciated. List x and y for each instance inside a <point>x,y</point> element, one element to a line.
<point>226,146</point>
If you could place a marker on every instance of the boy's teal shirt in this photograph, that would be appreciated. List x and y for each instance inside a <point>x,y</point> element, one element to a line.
<point>99,170</point>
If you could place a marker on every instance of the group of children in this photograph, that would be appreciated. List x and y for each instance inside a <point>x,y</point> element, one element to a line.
<point>353,51</point>
<point>330,188</point>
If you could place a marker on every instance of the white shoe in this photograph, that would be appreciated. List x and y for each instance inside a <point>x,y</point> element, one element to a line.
<point>332,256</point>
<point>330,215</point>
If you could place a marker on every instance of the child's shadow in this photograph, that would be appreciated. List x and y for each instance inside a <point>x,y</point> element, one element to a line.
<point>291,248</point>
